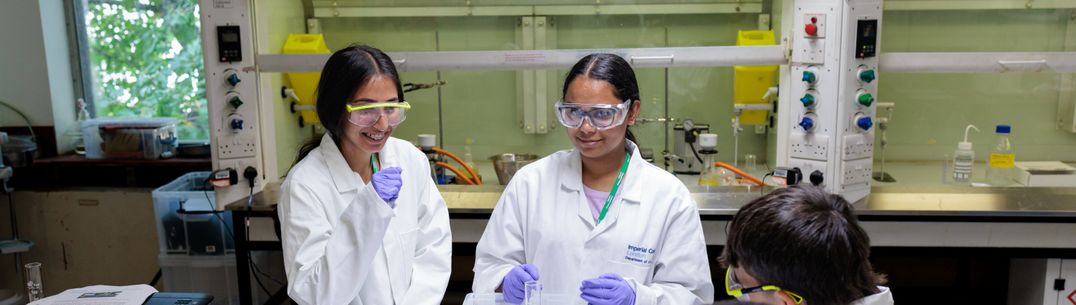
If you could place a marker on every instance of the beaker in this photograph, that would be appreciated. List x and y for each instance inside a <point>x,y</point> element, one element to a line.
<point>751,162</point>
<point>34,288</point>
<point>532,293</point>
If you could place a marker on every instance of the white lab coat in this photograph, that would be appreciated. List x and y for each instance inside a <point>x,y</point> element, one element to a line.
<point>651,236</point>
<point>883,297</point>
<point>344,245</point>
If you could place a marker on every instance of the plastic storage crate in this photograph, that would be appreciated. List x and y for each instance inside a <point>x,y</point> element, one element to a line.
<point>199,230</point>
<point>215,275</point>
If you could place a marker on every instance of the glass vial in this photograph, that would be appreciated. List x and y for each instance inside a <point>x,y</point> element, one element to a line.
<point>34,288</point>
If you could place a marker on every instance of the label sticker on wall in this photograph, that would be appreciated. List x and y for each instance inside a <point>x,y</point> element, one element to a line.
<point>223,4</point>
<point>525,58</point>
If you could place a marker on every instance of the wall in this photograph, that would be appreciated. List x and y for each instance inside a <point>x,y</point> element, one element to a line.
<point>84,237</point>
<point>24,78</point>
<point>482,105</point>
<point>932,109</point>
<point>35,66</point>
<point>277,19</point>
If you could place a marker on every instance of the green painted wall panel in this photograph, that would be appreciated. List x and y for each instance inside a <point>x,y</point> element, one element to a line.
<point>932,108</point>
<point>282,17</point>
<point>482,105</point>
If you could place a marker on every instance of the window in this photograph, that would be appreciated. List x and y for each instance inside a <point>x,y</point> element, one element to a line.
<point>143,58</point>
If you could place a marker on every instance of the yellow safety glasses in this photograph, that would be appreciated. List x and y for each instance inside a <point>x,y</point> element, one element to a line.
<point>367,115</point>
<point>735,289</point>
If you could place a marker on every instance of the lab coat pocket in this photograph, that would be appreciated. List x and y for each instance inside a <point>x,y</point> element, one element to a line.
<point>401,264</point>
<point>638,271</point>
<point>408,242</point>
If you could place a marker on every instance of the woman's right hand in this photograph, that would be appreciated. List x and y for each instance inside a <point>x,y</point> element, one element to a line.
<point>512,285</point>
<point>387,183</point>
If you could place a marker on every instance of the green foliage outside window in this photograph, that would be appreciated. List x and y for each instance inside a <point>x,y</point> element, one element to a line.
<point>146,58</point>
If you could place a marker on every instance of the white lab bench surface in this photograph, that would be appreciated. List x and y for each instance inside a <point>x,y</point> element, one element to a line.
<point>547,299</point>
<point>916,211</point>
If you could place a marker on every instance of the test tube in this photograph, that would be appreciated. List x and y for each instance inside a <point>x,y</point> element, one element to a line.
<point>532,293</point>
<point>33,282</point>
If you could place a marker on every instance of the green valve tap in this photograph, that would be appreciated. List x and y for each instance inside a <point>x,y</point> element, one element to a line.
<point>807,100</point>
<point>809,77</point>
<point>235,101</point>
<point>865,99</point>
<point>867,75</point>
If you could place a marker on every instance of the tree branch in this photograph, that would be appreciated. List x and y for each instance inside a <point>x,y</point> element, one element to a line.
<point>137,6</point>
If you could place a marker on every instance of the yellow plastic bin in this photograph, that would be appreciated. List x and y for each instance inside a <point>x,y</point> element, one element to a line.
<point>751,82</point>
<point>305,83</point>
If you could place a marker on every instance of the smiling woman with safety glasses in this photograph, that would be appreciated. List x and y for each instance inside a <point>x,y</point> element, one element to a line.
<point>596,221</point>
<point>361,220</point>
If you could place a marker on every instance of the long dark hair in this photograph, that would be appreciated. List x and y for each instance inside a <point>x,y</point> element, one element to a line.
<point>612,69</point>
<point>803,239</point>
<point>346,71</point>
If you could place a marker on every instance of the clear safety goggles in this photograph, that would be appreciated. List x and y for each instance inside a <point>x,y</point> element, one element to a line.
<point>367,115</point>
<point>735,289</point>
<point>600,116</point>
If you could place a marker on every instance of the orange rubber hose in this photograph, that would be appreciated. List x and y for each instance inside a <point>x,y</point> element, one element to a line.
<point>454,170</point>
<point>460,161</point>
<point>739,172</point>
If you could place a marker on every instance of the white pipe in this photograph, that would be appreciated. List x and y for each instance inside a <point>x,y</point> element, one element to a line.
<point>722,56</point>
<point>977,62</point>
<point>742,107</point>
<point>291,94</point>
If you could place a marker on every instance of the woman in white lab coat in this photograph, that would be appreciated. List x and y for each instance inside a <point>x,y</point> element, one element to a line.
<point>596,221</point>
<point>362,221</point>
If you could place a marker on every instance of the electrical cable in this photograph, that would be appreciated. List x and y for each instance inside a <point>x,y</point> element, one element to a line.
<point>24,118</point>
<point>762,190</point>
<point>231,234</point>
<point>250,173</point>
<point>692,145</point>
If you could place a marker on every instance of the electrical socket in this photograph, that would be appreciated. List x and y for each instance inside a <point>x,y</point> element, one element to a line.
<point>811,146</point>
<point>235,146</point>
<point>855,173</point>
<point>857,146</point>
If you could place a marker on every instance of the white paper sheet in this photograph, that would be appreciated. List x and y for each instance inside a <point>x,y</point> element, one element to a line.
<point>101,295</point>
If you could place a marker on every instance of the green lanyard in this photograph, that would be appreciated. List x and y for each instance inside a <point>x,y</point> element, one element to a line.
<point>373,161</point>
<point>616,186</point>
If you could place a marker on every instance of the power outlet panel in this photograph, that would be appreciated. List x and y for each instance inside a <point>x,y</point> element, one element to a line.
<point>236,147</point>
<point>232,94</point>
<point>833,49</point>
<point>857,173</point>
<point>809,146</point>
<point>858,146</point>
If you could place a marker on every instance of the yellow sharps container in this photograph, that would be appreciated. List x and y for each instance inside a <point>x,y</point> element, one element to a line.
<point>751,82</point>
<point>305,83</point>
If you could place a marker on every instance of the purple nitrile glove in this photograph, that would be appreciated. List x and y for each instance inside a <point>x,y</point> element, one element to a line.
<point>512,285</point>
<point>387,183</point>
<point>608,289</point>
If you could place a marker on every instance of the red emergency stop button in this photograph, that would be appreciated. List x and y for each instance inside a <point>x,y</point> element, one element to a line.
<point>811,29</point>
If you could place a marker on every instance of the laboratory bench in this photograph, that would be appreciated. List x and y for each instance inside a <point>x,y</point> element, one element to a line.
<point>920,222</point>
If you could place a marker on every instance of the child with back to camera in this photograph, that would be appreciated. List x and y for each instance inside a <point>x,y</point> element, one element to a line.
<point>800,245</point>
